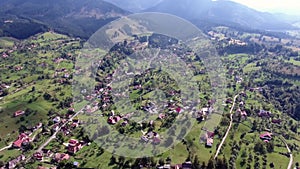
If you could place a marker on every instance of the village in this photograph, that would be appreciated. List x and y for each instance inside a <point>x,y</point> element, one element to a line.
<point>60,139</point>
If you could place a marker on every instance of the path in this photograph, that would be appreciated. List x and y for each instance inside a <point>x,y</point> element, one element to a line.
<point>229,127</point>
<point>54,134</point>
<point>7,147</point>
<point>290,166</point>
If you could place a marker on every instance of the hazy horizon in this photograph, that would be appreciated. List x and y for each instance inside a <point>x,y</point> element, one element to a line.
<point>290,7</point>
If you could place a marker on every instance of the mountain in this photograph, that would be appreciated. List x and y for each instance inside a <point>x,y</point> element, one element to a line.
<point>221,12</point>
<point>23,18</point>
<point>134,5</point>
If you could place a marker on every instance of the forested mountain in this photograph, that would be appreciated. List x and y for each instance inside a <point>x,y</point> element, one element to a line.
<point>20,19</point>
<point>134,5</point>
<point>221,13</point>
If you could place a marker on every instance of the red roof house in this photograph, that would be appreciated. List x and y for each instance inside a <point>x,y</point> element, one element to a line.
<point>38,156</point>
<point>266,136</point>
<point>74,146</point>
<point>23,138</point>
<point>19,113</point>
<point>61,156</point>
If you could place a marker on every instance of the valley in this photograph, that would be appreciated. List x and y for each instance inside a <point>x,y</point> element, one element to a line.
<point>172,106</point>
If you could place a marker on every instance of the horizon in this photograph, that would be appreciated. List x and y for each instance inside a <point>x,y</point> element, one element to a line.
<point>289,7</point>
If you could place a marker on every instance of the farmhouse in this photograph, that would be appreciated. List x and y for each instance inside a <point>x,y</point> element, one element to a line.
<point>38,156</point>
<point>209,139</point>
<point>58,157</point>
<point>19,113</point>
<point>266,136</point>
<point>22,139</point>
<point>13,163</point>
<point>113,120</point>
<point>74,146</point>
<point>263,113</point>
<point>56,119</point>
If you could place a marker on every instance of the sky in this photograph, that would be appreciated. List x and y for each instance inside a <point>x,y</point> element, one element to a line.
<point>291,7</point>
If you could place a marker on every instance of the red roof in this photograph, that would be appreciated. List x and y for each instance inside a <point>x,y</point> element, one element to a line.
<point>18,113</point>
<point>265,135</point>
<point>18,143</point>
<point>210,134</point>
<point>178,109</point>
<point>72,142</point>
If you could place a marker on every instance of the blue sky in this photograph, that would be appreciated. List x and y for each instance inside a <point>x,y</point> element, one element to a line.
<point>284,6</point>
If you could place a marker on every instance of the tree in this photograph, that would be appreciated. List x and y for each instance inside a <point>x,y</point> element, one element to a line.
<point>2,164</point>
<point>203,165</point>
<point>47,96</point>
<point>254,125</point>
<point>259,147</point>
<point>211,163</point>
<point>161,162</point>
<point>33,89</point>
<point>121,161</point>
<point>270,147</point>
<point>113,160</point>
<point>196,162</point>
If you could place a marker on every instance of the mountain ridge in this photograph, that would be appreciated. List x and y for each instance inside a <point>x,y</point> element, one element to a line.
<point>72,17</point>
<point>221,12</point>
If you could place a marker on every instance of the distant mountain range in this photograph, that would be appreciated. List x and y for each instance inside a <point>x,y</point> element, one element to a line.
<point>221,12</point>
<point>135,5</point>
<point>23,18</point>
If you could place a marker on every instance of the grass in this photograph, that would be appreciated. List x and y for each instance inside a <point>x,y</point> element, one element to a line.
<point>294,62</point>
<point>251,67</point>
<point>9,154</point>
<point>7,42</point>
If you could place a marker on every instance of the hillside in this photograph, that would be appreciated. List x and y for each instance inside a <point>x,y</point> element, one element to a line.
<point>22,19</point>
<point>221,13</point>
<point>134,5</point>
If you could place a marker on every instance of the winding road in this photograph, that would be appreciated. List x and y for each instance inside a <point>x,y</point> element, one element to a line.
<point>229,127</point>
<point>290,166</point>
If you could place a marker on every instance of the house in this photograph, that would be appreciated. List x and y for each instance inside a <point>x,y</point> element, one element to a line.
<point>178,110</point>
<point>209,138</point>
<point>38,156</point>
<point>55,127</point>
<point>74,146</point>
<point>144,138</point>
<point>266,136</point>
<point>187,165</point>
<point>13,163</point>
<point>23,138</point>
<point>244,113</point>
<point>66,75</point>
<point>18,68</point>
<point>156,140</point>
<point>56,119</point>
<point>229,101</point>
<point>276,121</point>
<point>161,116</point>
<point>39,125</point>
<point>263,113</point>
<point>19,113</point>
<point>113,120</point>
<point>58,157</point>
<point>4,55</point>
<point>76,164</point>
